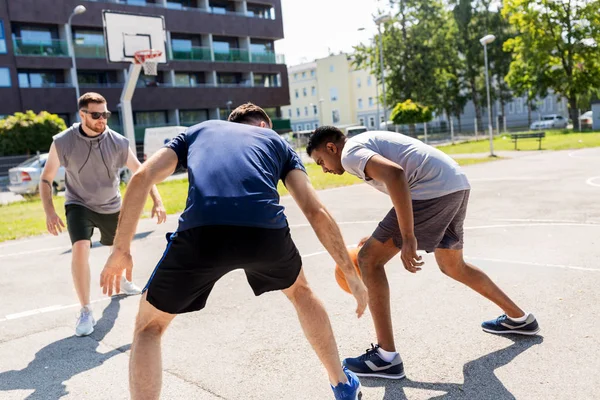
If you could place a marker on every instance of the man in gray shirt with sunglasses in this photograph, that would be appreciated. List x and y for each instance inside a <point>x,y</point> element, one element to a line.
<point>92,155</point>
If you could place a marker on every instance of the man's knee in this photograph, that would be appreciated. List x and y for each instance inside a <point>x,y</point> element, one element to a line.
<point>299,290</point>
<point>450,264</point>
<point>369,258</point>
<point>150,320</point>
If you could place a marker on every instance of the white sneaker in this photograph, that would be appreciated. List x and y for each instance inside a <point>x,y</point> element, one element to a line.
<point>129,288</point>
<point>85,322</point>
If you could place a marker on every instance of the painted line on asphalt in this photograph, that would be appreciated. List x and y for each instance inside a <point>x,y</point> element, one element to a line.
<point>591,182</point>
<point>534,264</point>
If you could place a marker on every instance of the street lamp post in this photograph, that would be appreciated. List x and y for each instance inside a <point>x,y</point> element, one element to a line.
<point>485,41</point>
<point>381,20</point>
<point>76,11</point>
<point>229,103</point>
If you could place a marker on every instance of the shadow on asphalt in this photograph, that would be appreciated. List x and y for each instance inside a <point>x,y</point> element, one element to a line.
<point>60,361</point>
<point>480,382</point>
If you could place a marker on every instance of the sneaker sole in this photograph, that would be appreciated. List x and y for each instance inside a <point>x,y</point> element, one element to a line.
<point>514,332</point>
<point>384,376</point>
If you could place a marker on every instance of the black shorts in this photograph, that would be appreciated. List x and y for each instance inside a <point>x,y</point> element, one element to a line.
<point>81,222</point>
<point>197,258</point>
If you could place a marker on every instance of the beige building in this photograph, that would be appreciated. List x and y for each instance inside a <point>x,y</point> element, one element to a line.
<point>330,91</point>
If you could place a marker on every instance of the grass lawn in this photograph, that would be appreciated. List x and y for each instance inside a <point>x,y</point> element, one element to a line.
<point>26,218</point>
<point>479,160</point>
<point>554,140</point>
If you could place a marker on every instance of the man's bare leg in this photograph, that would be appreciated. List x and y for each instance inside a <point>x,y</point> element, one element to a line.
<point>451,263</point>
<point>80,269</point>
<point>145,364</point>
<point>317,328</point>
<point>372,259</point>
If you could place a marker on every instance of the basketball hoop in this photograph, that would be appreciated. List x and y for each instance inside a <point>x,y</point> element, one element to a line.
<point>149,60</point>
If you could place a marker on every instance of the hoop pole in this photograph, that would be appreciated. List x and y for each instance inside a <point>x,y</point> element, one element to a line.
<point>126,110</point>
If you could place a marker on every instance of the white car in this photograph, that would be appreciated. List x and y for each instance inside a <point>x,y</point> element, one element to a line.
<point>586,120</point>
<point>551,121</point>
<point>24,179</point>
<point>352,131</point>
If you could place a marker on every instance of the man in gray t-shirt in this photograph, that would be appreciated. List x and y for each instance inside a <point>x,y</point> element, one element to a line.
<point>92,155</point>
<point>430,193</point>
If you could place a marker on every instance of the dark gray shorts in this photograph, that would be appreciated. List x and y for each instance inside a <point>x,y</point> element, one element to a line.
<point>81,222</point>
<point>438,223</point>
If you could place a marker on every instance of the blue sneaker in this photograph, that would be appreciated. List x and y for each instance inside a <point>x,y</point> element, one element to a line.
<point>372,365</point>
<point>350,390</point>
<point>504,324</point>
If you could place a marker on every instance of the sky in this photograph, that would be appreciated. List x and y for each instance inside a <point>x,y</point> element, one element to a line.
<point>312,28</point>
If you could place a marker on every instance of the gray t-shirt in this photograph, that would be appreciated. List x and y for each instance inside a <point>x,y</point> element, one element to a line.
<point>430,172</point>
<point>92,168</point>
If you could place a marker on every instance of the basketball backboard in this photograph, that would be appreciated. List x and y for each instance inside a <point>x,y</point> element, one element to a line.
<point>126,33</point>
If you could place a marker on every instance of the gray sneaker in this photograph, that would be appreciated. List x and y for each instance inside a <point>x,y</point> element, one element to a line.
<point>85,322</point>
<point>129,288</point>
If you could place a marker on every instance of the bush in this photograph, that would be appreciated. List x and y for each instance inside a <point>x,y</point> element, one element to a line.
<point>410,112</point>
<point>27,133</point>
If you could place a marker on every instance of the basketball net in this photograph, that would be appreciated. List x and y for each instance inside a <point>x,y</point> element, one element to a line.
<point>149,60</point>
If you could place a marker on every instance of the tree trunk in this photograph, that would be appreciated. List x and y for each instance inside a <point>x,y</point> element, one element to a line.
<point>573,114</point>
<point>412,131</point>
<point>475,98</point>
<point>459,123</point>
<point>528,111</point>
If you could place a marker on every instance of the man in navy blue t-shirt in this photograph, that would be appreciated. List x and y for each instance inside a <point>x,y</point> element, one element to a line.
<point>232,220</point>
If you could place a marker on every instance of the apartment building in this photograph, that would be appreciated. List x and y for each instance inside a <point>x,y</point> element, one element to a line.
<point>220,54</point>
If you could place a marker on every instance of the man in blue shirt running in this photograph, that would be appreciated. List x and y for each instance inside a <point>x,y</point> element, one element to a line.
<point>232,220</point>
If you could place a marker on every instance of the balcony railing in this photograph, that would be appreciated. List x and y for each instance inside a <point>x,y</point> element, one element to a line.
<point>50,48</point>
<point>233,55</point>
<point>193,54</point>
<point>90,50</point>
<point>267,57</point>
<point>39,85</point>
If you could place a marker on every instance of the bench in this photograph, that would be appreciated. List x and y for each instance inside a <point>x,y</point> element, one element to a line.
<point>538,135</point>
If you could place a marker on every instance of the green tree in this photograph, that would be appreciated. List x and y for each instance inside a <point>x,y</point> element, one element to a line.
<point>28,132</point>
<point>410,113</point>
<point>557,45</point>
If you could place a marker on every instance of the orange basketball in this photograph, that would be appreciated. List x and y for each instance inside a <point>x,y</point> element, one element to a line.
<point>339,275</point>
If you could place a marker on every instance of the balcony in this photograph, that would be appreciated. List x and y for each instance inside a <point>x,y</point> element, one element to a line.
<point>90,50</point>
<point>193,54</point>
<point>233,55</point>
<point>47,48</point>
<point>268,58</point>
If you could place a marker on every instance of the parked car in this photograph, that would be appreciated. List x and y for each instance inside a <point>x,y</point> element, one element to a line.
<point>352,131</point>
<point>156,138</point>
<point>586,119</point>
<point>551,121</point>
<point>25,178</point>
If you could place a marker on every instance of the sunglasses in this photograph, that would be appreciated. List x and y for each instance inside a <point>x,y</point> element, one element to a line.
<point>97,115</point>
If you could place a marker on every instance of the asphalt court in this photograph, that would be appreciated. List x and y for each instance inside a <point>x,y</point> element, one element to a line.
<point>533,225</point>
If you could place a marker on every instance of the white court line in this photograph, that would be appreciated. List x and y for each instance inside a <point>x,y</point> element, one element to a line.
<point>58,307</point>
<point>591,182</point>
<point>22,253</point>
<point>575,267</point>
<point>547,221</point>
<point>528,225</point>
<point>509,178</point>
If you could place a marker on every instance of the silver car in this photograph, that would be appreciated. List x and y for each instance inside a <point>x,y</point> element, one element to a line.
<point>552,121</point>
<point>25,178</point>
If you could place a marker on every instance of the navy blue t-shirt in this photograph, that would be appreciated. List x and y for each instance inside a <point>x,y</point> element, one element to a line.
<point>233,171</point>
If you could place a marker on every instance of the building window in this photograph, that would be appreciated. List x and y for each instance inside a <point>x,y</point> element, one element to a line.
<point>335,116</point>
<point>2,39</point>
<point>520,105</point>
<point>369,81</point>
<point>290,113</point>
<point>297,111</point>
<point>306,111</point>
<point>261,11</point>
<point>312,73</point>
<point>299,128</point>
<point>358,82</point>
<point>371,122</point>
<point>315,125</point>
<point>295,77</point>
<point>315,111</point>
<point>266,80</point>
<point>304,92</point>
<point>333,94</point>
<point>313,91</point>
<point>192,117</point>
<point>361,121</point>
<point>37,79</point>
<point>189,79</point>
<point>307,127</point>
<point>5,77</point>
<point>296,93</point>
<point>221,7</point>
<point>331,69</point>
<point>303,74</point>
<point>360,103</point>
<point>151,118</point>
<point>370,102</point>
<point>381,119</point>
<point>511,107</point>
<point>230,79</point>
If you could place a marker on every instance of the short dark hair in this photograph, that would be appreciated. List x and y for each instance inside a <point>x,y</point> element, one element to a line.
<point>322,135</point>
<point>249,113</point>
<point>90,97</point>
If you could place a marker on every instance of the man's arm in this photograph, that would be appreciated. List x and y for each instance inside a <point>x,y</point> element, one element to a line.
<point>158,208</point>
<point>327,231</point>
<point>53,221</point>
<point>392,175</point>
<point>156,169</point>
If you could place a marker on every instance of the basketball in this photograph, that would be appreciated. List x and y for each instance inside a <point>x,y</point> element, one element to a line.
<point>339,275</point>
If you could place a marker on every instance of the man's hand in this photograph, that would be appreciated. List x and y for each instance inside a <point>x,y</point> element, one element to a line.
<point>359,291</point>
<point>54,224</point>
<point>160,212</point>
<point>412,262</point>
<point>113,271</point>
